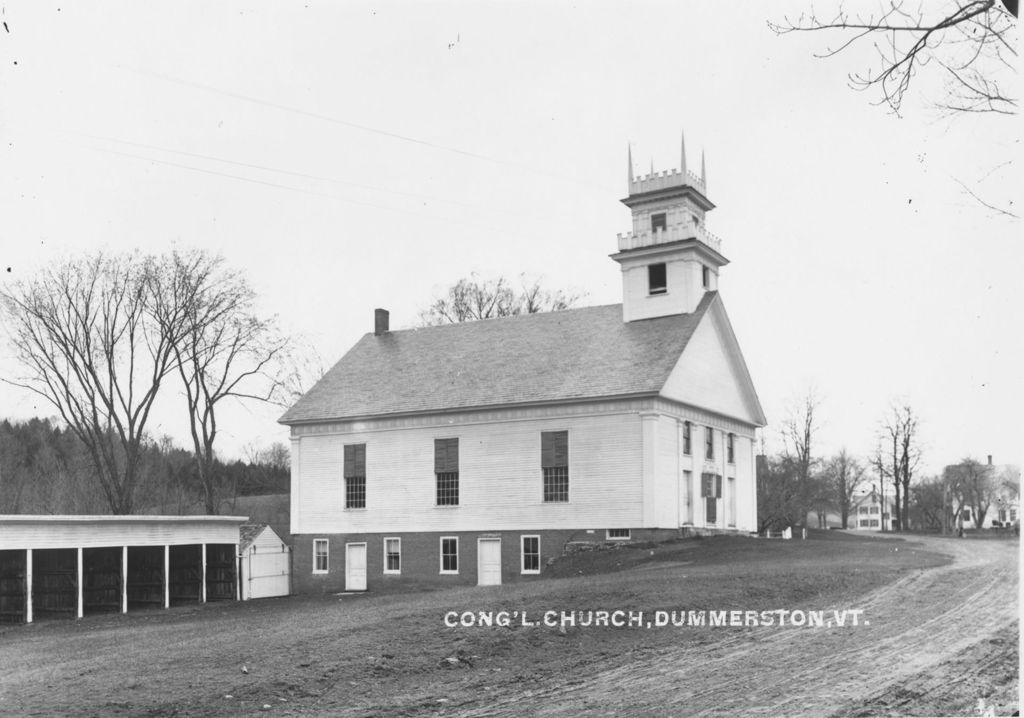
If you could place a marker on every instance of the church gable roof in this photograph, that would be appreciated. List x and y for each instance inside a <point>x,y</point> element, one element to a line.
<point>568,355</point>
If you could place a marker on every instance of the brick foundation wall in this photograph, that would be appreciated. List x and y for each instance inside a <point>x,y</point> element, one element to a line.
<point>421,556</point>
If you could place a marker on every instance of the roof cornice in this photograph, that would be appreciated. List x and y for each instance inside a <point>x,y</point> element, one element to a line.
<point>693,243</point>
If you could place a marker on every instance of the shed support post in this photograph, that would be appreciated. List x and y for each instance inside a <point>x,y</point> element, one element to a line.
<point>81,607</point>
<point>28,585</point>
<point>238,575</point>
<point>124,579</point>
<point>167,576</point>
<point>202,594</point>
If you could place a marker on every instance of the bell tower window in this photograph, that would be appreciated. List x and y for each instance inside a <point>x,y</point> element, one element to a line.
<point>656,278</point>
<point>658,221</point>
<point>705,275</point>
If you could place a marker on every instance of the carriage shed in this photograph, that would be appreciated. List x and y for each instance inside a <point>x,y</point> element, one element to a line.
<point>75,566</point>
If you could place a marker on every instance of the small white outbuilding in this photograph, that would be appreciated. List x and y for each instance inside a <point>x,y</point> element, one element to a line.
<point>265,562</point>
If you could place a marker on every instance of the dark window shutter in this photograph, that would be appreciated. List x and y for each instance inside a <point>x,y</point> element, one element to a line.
<point>446,455</point>
<point>453,455</point>
<point>350,460</point>
<point>355,460</point>
<point>718,486</point>
<point>554,449</point>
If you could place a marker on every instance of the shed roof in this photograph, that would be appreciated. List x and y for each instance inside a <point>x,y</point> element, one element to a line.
<point>568,355</point>
<point>20,531</point>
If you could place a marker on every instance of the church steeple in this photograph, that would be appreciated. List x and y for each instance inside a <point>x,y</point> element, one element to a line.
<point>669,259</point>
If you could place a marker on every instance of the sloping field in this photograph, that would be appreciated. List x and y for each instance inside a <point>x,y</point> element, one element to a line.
<point>928,608</point>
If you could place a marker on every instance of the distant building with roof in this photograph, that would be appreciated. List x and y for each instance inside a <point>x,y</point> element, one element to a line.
<point>474,452</point>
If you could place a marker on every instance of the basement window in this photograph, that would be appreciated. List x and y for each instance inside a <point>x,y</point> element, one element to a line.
<point>531,554</point>
<point>657,282</point>
<point>320,555</point>
<point>618,534</point>
<point>449,554</point>
<point>658,222</point>
<point>393,555</point>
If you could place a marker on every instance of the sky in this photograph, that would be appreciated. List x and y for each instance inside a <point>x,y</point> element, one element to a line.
<point>348,156</point>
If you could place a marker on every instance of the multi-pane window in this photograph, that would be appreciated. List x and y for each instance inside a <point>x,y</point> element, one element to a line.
<point>320,556</point>
<point>554,461</point>
<point>392,555</point>
<point>862,510</point>
<point>355,476</point>
<point>709,443</point>
<point>687,431</point>
<point>730,448</point>
<point>449,554</point>
<point>531,554</point>
<point>446,471</point>
<point>874,509</point>
<point>617,534</point>
<point>657,278</point>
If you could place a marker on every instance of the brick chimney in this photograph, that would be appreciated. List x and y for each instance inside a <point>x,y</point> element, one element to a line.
<point>380,321</point>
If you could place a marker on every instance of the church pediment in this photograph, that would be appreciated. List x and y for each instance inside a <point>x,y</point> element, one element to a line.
<point>711,373</point>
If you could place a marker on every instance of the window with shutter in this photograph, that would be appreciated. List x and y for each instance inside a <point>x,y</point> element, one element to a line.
<point>709,443</point>
<point>355,476</point>
<point>554,461</point>
<point>687,428</point>
<point>446,471</point>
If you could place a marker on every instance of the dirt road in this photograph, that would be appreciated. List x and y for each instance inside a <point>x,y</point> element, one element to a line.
<point>938,641</point>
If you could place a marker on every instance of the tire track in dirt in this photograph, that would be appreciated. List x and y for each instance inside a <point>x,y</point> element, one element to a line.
<point>773,671</point>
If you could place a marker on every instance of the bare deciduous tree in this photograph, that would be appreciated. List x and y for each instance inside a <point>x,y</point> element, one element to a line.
<point>798,432</point>
<point>225,351</point>
<point>977,487</point>
<point>97,346</point>
<point>843,475</point>
<point>472,298</point>
<point>901,458</point>
<point>972,42</point>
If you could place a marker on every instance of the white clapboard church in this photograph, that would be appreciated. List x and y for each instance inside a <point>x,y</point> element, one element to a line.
<point>474,452</point>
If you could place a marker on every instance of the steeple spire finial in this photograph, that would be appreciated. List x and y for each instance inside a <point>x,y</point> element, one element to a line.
<point>682,160</point>
<point>703,172</point>
<point>629,159</point>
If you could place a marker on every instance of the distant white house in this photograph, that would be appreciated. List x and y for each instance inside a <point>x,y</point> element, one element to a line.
<point>474,452</point>
<point>868,512</point>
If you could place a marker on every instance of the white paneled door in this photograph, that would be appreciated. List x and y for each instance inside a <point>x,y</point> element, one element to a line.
<point>488,562</point>
<point>355,567</point>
